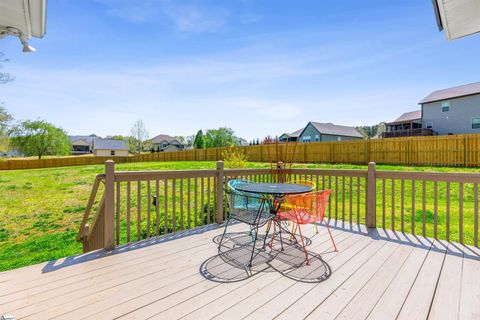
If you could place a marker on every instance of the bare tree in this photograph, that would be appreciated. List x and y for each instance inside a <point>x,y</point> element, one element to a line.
<point>138,137</point>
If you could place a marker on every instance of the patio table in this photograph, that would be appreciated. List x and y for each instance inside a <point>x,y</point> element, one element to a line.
<point>275,194</point>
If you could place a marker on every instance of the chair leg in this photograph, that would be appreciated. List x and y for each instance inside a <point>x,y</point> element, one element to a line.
<point>316,227</point>
<point>269,225</point>
<point>223,234</point>
<point>253,247</point>
<point>331,237</point>
<point>303,245</point>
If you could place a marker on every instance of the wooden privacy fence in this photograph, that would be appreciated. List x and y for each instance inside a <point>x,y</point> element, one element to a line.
<point>454,150</point>
<point>136,205</point>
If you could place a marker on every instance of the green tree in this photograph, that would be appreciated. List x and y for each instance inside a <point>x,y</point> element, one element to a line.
<point>221,137</point>
<point>39,138</point>
<point>199,141</point>
<point>371,131</point>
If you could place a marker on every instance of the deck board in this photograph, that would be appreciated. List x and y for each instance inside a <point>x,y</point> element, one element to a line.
<point>376,274</point>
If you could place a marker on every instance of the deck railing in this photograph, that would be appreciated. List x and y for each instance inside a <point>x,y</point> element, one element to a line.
<point>137,205</point>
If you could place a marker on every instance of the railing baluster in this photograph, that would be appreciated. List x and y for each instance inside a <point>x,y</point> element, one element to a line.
<point>128,210</point>
<point>460,212</point>
<point>343,198</point>
<point>181,205</point>
<point>174,203</point>
<point>351,200</point>
<point>393,203</point>
<point>188,203</point>
<point>475,215</point>
<point>336,198</point>
<point>359,181</point>
<point>149,207</point>
<point>195,202</point>
<point>383,204</point>
<point>413,207</point>
<point>435,210</point>
<point>165,206</point>
<point>447,211</point>
<point>209,200</point>
<point>424,208</point>
<point>157,209</point>
<point>330,198</point>
<point>139,209</point>
<point>402,204</point>
<point>117,222</point>
<point>202,187</point>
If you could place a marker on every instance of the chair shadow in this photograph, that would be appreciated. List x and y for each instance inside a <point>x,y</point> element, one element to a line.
<point>231,263</point>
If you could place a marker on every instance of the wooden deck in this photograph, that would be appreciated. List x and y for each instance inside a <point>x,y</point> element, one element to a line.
<point>375,275</point>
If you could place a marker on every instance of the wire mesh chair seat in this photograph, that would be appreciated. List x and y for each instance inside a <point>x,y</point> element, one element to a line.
<point>249,208</point>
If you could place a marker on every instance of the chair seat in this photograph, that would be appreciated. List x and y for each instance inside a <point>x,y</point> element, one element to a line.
<point>299,217</point>
<point>249,216</point>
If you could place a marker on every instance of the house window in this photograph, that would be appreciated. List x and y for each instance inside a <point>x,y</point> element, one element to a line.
<point>112,152</point>
<point>475,123</point>
<point>307,139</point>
<point>445,106</point>
<point>429,125</point>
<point>317,137</point>
<point>339,138</point>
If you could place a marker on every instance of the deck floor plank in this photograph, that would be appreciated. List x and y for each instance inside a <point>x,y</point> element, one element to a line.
<point>419,299</point>
<point>376,274</point>
<point>446,302</point>
<point>470,289</point>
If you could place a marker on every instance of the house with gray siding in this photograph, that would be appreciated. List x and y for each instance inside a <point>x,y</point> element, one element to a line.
<point>453,110</point>
<point>316,131</point>
<point>290,137</point>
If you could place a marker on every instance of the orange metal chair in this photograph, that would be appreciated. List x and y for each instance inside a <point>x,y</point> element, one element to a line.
<point>307,208</point>
<point>286,206</point>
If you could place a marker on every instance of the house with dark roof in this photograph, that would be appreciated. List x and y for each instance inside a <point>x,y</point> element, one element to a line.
<point>164,142</point>
<point>82,144</point>
<point>408,124</point>
<point>290,137</point>
<point>316,131</point>
<point>110,147</point>
<point>453,111</point>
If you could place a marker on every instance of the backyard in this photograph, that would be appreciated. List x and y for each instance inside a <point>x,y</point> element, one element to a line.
<point>41,209</point>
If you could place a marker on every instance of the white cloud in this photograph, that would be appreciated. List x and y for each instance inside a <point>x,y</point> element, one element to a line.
<point>189,17</point>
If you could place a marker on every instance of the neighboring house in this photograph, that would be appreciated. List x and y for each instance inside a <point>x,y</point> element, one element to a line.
<point>164,142</point>
<point>453,110</point>
<point>315,131</point>
<point>290,137</point>
<point>110,147</point>
<point>82,144</point>
<point>408,124</point>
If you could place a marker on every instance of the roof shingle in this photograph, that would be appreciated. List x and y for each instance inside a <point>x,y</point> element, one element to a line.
<point>455,92</point>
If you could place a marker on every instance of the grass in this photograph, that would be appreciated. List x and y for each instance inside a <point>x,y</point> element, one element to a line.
<point>41,209</point>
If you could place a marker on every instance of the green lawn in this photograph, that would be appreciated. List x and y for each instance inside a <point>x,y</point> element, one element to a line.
<point>40,209</point>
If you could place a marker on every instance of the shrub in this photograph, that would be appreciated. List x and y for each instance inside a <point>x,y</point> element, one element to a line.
<point>234,157</point>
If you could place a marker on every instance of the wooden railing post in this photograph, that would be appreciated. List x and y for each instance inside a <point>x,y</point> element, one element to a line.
<point>219,190</point>
<point>371,200</point>
<point>109,230</point>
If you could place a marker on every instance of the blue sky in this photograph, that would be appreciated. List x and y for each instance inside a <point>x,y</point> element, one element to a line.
<point>259,67</point>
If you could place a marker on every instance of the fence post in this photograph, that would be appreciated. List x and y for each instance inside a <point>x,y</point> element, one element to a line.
<point>371,200</point>
<point>109,232</point>
<point>219,186</point>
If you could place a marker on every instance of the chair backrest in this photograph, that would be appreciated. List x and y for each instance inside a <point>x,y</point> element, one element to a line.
<point>304,182</point>
<point>232,184</point>
<point>313,204</point>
